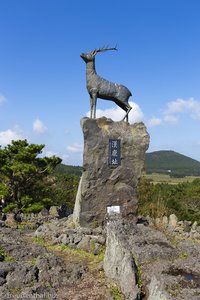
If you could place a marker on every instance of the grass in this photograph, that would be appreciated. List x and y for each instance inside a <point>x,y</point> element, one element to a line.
<point>174,290</point>
<point>15,291</point>
<point>32,262</point>
<point>139,272</point>
<point>183,255</point>
<point>39,240</point>
<point>116,293</point>
<point>78,255</point>
<point>163,178</point>
<point>72,253</point>
<point>25,225</point>
<point>7,258</point>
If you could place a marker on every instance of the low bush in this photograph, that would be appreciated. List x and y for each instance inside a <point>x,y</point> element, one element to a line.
<point>157,200</point>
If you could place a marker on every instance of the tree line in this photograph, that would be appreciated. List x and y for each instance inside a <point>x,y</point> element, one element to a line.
<point>30,182</point>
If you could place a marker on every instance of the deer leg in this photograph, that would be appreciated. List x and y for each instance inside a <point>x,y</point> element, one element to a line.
<point>127,117</point>
<point>91,107</point>
<point>95,106</point>
<point>127,112</point>
<point>93,103</point>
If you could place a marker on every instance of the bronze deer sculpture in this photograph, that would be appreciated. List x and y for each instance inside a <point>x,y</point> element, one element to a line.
<point>99,87</point>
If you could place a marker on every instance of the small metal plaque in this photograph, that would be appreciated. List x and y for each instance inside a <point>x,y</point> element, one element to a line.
<point>114,157</point>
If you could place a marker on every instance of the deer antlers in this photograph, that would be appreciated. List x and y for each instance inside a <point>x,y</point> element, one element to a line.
<point>104,49</point>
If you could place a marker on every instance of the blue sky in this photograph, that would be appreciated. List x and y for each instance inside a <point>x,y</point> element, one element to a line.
<point>43,94</point>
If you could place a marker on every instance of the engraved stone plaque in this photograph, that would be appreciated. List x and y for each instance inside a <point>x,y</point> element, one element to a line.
<point>114,156</point>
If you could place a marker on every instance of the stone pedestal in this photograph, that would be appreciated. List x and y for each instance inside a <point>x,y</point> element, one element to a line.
<point>103,185</point>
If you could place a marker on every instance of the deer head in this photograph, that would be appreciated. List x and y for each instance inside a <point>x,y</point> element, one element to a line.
<point>91,54</point>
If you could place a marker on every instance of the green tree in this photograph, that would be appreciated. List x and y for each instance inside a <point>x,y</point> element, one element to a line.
<point>22,170</point>
<point>64,189</point>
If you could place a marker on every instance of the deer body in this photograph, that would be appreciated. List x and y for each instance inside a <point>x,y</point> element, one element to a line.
<point>99,87</point>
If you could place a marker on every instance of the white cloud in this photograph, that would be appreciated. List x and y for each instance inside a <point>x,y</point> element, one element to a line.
<point>117,114</point>
<point>154,122</point>
<point>8,135</point>
<point>39,127</point>
<point>171,119</point>
<point>49,153</point>
<point>190,106</point>
<point>65,158</point>
<point>174,109</point>
<point>2,98</point>
<point>75,148</point>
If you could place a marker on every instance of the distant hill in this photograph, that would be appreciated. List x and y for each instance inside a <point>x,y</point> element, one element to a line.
<point>67,169</point>
<point>172,163</point>
<point>164,162</point>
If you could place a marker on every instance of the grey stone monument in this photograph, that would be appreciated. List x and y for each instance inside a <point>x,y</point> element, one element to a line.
<point>114,155</point>
<point>109,182</point>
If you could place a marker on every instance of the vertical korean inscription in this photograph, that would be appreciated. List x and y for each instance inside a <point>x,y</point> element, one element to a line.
<point>114,155</point>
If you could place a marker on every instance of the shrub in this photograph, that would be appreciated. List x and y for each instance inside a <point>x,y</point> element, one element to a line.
<point>161,199</point>
<point>33,208</point>
<point>9,208</point>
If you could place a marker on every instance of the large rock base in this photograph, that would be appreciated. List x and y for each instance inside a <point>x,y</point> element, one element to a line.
<point>104,185</point>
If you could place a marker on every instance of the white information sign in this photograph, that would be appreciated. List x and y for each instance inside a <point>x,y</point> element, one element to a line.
<point>113,209</point>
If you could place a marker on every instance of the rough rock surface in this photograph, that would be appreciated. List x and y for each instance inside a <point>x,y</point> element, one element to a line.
<point>11,221</point>
<point>58,232</point>
<point>119,264</point>
<point>166,267</point>
<point>103,185</point>
<point>179,228</point>
<point>145,263</point>
<point>32,221</point>
<point>32,271</point>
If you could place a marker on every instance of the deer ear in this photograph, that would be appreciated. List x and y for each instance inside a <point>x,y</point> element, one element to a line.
<point>94,52</point>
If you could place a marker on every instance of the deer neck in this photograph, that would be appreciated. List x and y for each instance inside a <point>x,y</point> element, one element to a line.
<point>90,69</point>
